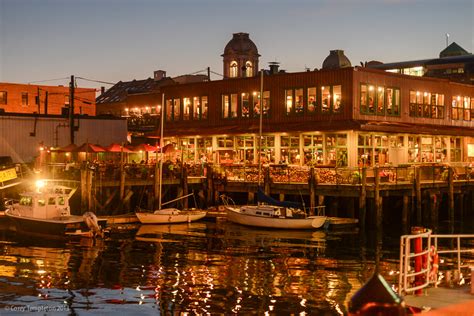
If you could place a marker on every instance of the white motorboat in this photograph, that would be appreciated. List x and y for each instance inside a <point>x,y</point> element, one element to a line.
<point>46,211</point>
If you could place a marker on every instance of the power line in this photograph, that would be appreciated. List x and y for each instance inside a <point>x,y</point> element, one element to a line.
<point>216,73</point>
<point>99,81</point>
<point>48,80</point>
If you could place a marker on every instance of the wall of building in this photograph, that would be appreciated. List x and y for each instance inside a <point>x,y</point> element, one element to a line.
<point>58,98</point>
<point>21,135</point>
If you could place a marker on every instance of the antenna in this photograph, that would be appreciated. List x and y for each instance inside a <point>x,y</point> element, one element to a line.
<point>447,39</point>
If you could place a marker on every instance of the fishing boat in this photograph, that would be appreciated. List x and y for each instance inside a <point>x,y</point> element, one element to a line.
<point>46,211</point>
<point>168,215</point>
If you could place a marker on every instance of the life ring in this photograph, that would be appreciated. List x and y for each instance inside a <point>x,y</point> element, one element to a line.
<point>434,259</point>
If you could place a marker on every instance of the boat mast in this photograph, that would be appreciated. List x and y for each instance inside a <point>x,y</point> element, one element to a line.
<point>260,130</point>
<point>161,146</point>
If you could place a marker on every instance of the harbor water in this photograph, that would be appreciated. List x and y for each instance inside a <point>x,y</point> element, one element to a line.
<point>192,269</point>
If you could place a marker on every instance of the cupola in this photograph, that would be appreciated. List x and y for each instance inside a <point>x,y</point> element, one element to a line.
<point>240,57</point>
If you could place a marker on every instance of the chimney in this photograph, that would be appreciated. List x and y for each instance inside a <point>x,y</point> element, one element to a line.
<point>274,67</point>
<point>159,74</point>
<point>102,90</point>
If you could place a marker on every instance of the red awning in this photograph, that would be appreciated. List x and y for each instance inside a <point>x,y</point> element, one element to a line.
<point>116,148</point>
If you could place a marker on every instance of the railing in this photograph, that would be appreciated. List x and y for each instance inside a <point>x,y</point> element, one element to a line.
<point>425,273</point>
<point>434,173</point>
<point>402,174</point>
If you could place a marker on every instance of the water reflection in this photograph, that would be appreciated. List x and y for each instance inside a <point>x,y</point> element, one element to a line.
<point>194,268</point>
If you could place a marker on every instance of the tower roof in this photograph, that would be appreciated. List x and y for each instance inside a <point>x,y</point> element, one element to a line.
<point>241,44</point>
<point>336,59</point>
<point>453,50</point>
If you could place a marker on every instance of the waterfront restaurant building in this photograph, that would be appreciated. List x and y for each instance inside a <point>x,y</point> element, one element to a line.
<point>336,116</point>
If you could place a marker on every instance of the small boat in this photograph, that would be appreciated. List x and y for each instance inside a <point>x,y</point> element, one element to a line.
<point>270,213</point>
<point>46,211</point>
<point>170,215</point>
<point>272,216</point>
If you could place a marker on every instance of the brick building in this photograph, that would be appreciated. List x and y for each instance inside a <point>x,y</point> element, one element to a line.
<point>41,99</point>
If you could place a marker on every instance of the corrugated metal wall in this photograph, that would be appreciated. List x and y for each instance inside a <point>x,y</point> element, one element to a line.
<point>21,140</point>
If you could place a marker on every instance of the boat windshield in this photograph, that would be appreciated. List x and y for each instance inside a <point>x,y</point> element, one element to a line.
<point>60,200</point>
<point>26,200</point>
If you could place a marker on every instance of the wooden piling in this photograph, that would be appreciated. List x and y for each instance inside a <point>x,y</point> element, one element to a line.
<point>406,200</point>
<point>209,186</point>
<point>451,195</point>
<point>363,199</point>
<point>312,192</point>
<point>267,181</point>
<point>90,200</point>
<point>418,195</point>
<point>156,185</point>
<point>250,197</point>
<point>184,185</point>
<point>84,189</point>
<point>377,199</point>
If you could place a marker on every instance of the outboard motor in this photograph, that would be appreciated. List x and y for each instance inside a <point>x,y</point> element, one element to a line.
<point>93,223</point>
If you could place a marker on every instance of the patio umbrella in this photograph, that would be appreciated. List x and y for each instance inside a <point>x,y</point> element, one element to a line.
<point>116,148</point>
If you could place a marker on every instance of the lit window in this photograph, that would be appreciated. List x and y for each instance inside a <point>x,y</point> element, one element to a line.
<point>233,71</point>
<point>248,69</point>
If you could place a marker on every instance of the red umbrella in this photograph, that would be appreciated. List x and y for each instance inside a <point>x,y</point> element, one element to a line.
<point>89,148</point>
<point>116,148</point>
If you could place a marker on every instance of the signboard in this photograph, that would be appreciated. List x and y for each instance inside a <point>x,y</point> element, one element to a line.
<point>470,150</point>
<point>7,174</point>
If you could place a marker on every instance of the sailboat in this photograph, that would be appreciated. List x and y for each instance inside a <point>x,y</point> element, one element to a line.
<point>271,213</point>
<point>168,215</point>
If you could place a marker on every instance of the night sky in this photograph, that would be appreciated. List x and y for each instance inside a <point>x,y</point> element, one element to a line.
<point>113,40</point>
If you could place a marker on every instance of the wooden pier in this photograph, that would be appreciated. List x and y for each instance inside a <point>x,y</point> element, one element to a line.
<point>417,195</point>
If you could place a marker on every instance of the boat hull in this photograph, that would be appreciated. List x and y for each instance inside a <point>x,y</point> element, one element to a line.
<point>312,222</point>
<point>63,226</point>
<point>183,217</point>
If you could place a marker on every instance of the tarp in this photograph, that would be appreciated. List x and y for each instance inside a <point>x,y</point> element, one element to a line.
<point>262,197</point>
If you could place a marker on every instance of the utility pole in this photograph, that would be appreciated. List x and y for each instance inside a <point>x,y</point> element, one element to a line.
<point>71,110</point>
<point>39,103</point>
<point>46,103</point>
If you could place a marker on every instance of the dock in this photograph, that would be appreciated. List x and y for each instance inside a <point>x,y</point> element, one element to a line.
<point>444,301</point>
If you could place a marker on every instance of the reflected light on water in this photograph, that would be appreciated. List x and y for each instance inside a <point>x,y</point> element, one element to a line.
<point>209,268</point>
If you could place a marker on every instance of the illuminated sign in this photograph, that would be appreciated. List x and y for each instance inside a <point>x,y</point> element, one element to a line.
<point>7,174</point>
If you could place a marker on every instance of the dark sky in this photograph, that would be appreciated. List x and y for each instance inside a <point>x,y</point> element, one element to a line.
<point>113,40</point>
